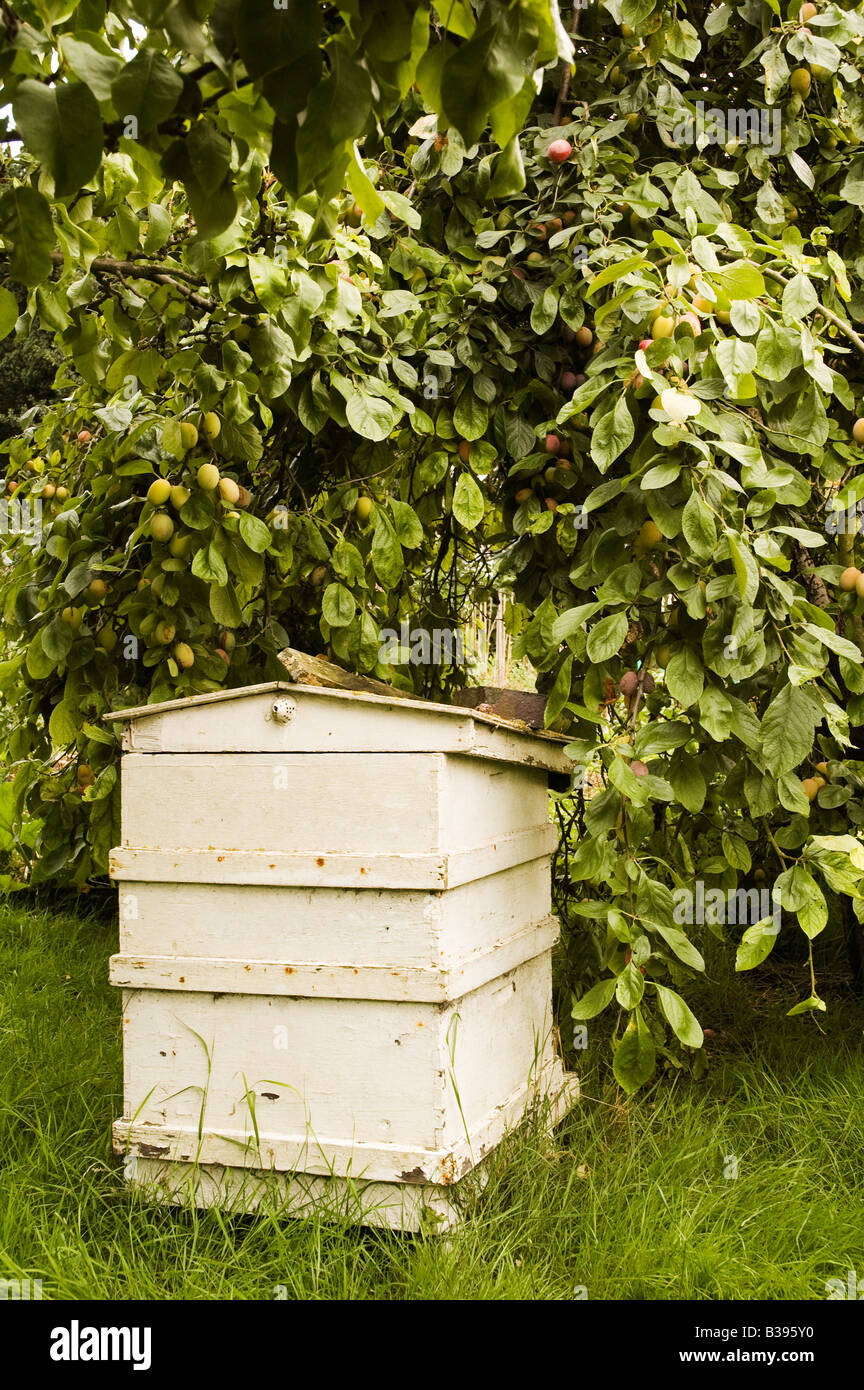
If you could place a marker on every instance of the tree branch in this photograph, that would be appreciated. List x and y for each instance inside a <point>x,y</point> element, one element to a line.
<point>846,329</point>
<point>565,80</point>
<point>179,279</point>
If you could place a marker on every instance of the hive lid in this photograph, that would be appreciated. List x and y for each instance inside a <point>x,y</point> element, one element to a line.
<point>324,723</point>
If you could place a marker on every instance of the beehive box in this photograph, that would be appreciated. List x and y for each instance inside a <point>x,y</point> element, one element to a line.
<point>335,939</point>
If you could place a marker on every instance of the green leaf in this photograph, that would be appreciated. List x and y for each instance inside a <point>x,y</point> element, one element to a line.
<point>486,70</point>
<point>735,851</point>
<point>788,726</point>
<point>757,943</point>
<point>612,435</point>
<point>148,89</point>
<point>572,620</point>
<point>468,502</point>
<point>689,193</point>
<point>62,129</point>
<point>255,532</point>
<point>595,1001</point>
<point>519,435</point>
<point>635,1056</point>
<point>202,163</point>
<point>801,168</point>
<point>606,637</point>
<point>8,312</point>
<point>688,782</point>
<point>407,525</point>
<point>681,1019</point>
<point>39,665</point>
<point>545,312</point>
<point>681,945</point>
<point>338,605</point>
<point>560,692</point>
<point>371,416</point>
<point>662,737</point>
<point>64,723</point>
<point>685,677</point>
<point>365,194</point>
<point>336,113</point>
<point>807,1006</point>
<point>508,171</point>
<point>614,272</point>
<point>715,713</point>
<point>697,523</point>
<point>90,59</point>
<point>471,416</point>
<point>57,640</point>
<point>387,559</point>
<point>735,359</point>
<point>25,221</point>
<point>208,564</point>
<point>630,986</point>
<point>834,642</point>
<point>660,476</point>
<point>224,605</point>
<point>746,568</point>
<point>738,281</point>
<point>799,297</point>
<point>792,795</point>
<point>199,512</point>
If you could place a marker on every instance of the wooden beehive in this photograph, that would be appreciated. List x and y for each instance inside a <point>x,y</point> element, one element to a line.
<point>335,939</point>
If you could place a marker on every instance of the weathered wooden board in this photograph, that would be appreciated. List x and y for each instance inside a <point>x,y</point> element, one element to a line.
<point>524,705</point>
<point>238,1191</point>
<point>411,803</point>
<point>331,926</point>
<point>331,721</point>
<point>369,1162</point>
<point>407,1205</point>
<point>417,984</point>
<point>306,868</point>
<point>336,1073</point>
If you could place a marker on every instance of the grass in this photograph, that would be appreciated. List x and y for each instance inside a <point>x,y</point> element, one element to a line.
<point>628,1200</point>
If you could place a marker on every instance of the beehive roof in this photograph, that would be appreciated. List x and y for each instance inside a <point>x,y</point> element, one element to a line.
<point>490,736</point>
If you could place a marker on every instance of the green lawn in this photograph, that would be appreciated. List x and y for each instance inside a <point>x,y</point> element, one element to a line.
<point>628,1200</point>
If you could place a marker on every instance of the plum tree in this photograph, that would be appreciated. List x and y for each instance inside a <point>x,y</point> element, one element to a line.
<point>395,291</point>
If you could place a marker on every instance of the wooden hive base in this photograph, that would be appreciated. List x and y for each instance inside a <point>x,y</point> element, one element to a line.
<point>411,1207</point>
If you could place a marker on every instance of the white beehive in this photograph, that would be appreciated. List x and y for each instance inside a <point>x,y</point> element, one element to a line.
<point>335,940</point>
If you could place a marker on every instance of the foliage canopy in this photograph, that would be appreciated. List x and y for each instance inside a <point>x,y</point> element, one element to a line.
<point>332,255</point>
